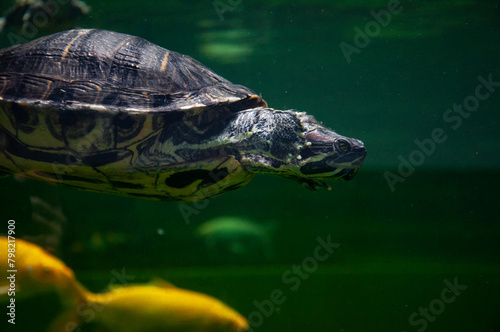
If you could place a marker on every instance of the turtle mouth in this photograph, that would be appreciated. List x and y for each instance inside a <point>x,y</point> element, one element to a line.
<point>343,166</point>
<point>349,174</point>
<point>337,166</point>
<point>313,185</point>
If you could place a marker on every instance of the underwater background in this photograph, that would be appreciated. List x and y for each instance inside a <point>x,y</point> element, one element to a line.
<point>421,89</point>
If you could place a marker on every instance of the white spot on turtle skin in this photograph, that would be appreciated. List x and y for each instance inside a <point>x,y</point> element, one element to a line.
<point>298,146</point>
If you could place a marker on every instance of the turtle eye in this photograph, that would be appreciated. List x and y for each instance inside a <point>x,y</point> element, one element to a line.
<point>342,145</point>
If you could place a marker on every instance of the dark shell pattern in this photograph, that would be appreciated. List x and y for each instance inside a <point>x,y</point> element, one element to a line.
<point>113,70</point>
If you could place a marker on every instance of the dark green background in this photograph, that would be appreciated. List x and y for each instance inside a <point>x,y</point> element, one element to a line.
<point>396,247</point>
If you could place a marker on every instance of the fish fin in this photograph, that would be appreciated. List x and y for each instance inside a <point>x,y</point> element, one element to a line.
<point>4,290</point>
<point>68,320</point>
<point>162,283</point>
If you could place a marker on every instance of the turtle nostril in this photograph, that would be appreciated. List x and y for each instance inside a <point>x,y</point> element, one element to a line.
<point>342,145</point>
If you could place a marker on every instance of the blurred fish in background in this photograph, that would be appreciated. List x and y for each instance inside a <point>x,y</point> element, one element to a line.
<point>237,240</point>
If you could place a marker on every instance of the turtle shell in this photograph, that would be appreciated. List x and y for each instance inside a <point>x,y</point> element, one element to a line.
<point>113,71</point>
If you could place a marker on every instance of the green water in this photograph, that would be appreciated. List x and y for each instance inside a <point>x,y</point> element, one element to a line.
<point>398,247</point>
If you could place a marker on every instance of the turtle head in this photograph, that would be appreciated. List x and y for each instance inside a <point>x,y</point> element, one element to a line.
<point>295,145</point>
<point>327,155</point>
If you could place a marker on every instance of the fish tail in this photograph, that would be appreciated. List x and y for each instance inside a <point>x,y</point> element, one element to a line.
<point>67,321</point>
<point>70,318</point>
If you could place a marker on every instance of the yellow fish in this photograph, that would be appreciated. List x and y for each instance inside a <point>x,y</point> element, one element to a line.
<point>27,270</point>
<point>135,308</point>
<point>36,272</point>
<point>163,307</point>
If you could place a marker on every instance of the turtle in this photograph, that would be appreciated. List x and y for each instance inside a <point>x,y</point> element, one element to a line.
<point>114,113</point>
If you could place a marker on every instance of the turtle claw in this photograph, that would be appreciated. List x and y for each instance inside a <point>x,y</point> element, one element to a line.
<point>314,185</point>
